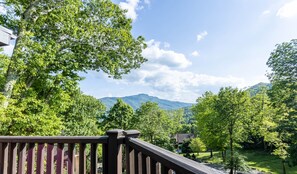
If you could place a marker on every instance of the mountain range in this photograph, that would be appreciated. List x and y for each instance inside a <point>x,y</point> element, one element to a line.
<point>136,100</point>
<point>258,87</point>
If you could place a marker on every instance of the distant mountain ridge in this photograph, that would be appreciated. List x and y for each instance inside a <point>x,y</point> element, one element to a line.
<point>136,100</point>
<point>255,89</point>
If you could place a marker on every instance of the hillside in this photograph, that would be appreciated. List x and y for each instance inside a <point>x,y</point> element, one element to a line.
<point>136,100</point>
<point>256,88</point>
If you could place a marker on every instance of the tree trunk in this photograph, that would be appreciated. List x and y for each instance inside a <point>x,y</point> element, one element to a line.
<point>231,153</point>
<point>11,79</point>
<point>12,74</point>
<point>284,167</point>
<point>224,155</point>
<point>211,154</point>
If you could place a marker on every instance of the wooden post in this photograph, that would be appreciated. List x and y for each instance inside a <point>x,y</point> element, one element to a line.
<point>130,155</point>
<point>114,154</point>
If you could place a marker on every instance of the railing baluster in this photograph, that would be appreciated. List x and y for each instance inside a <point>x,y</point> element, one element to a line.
<point>82,158</point>
<point>31,158</point>
<point>105,158</point>
<point>12,165</point>
<point>4,158</point>
<point>130,166</point>
<point>40,158</point>
<point>71,160</point>
<point>22,158</point>
<point>60,158</point>
<point>50,159</point>
<point>153,166</point>
<point>94,158</point>
<point>158,168</point>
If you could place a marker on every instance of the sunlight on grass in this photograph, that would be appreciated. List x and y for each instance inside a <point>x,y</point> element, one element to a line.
<point>260,161</point>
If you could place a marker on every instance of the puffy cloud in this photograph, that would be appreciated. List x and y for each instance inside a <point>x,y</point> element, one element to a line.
<point>288,10</point>
<point>195,53</point>
<point>132,6</point>
<point>164,73</point>
<point>177,84</point>
<point>201,35</point>
<point>169,58</point>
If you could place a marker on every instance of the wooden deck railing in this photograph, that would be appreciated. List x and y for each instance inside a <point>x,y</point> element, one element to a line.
<point>20,155</point>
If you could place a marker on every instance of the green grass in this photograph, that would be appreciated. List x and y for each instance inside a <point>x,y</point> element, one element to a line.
<point>258,160</point>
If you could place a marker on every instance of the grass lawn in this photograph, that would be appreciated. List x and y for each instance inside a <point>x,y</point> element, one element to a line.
<point>260,161</point>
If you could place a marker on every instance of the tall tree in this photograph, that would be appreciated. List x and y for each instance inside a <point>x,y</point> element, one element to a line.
<point>231,105</point>
<point>197,145</point>
<point>221,118</point>
<point>262,121</point>
<point>209,129</point>
<point>177,120</point>
<point>120,116</point>
<point>56,41</point>
<point>283,76</point>
<point>154,124</point>
<point>81,118</point>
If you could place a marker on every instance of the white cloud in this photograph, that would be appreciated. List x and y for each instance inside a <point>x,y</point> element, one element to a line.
<point>169,58</point>
<point>288,10</point>
<point>266,12</point>
<point>132,6</point>
<point>195,53</point>
<point>201,35</point>
<point>164,74</point>
<point>177,84</point>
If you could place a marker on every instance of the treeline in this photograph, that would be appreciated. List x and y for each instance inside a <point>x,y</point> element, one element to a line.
<point>156,125</point>
<point>234,119</point>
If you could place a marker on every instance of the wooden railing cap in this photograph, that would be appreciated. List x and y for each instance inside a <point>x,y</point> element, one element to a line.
<point>132,133</point>
<point>115,132</point>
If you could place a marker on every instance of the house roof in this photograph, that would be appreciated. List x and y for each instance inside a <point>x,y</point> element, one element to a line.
<point>5,36</point>
<point>180,138</point>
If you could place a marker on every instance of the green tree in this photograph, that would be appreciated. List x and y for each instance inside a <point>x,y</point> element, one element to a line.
<point>120,116</point>
<point>210,131</point>
<point>221,118</point>
<point>56,41</point>
<point>262,121</point>
<point>177,120</point>
<point>154,124</point>
<point>81,118</point>
<point>283,76</point>
<point>231,105</point>
<point>197,145</point>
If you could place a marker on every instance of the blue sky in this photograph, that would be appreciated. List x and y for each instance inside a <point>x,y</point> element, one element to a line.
<point>198,45</point>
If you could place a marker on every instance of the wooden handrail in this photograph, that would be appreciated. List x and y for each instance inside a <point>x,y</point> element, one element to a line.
<point>159,157</point>
<point>54,139</point>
